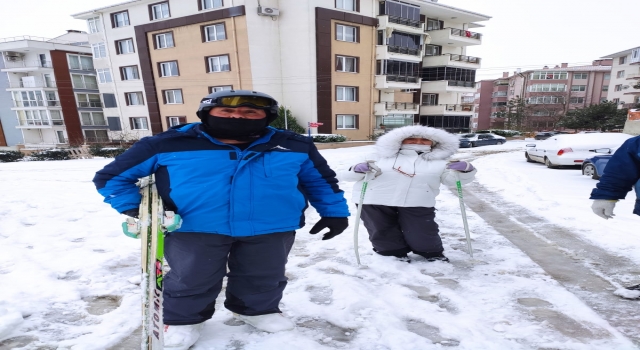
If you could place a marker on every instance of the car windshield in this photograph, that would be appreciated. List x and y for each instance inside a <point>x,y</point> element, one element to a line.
<point>465,136</point>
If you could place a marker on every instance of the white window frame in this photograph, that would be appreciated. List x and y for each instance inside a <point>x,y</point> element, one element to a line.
<point>104,76</point>
<point>94,24</point>
<point>547,75</point>
<point>620,74</point>
<point>137,101</point>
<point>84,82</point>
<point>88,101</point>
<point>171,97</point>
<point>167,67</point>
<point>219,32</point>
<point>547,87</point>
<point>213,89</point>
<point>348,5</point>
<point>99,50</point>
<point>125,46</point>
<point>163,11</point>
<point>605,87</point>
<point>617,87</point>
<point>173,121</point>
<point>635,56</point>
<point>607,76</point>
<point>96,136</point>
<point>341,93</point>
<point>125,19</point>
<point>622,60</point>
<point>162,42</point>
<point>91,117</point>
<point>341,124</point>
<point>135,125</point>
<point>576,100</point>
<point>215,64</point>
<point>545,100</point>
<point>123,71</point>
<point>578,88</point>
<point>81,66</point>
<point>580,76</point>
<point>342,35</point>
<point>343,61</point>
<point>211,4</point>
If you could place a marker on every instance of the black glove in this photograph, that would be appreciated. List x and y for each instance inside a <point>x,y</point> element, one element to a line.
<point>335,226</point>
<point>134,213</point>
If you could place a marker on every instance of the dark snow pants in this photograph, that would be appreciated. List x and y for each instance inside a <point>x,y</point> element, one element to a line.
<point>198,261</point>
<point>398,230</point>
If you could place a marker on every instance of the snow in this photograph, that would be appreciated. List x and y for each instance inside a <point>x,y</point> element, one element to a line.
<point>70,277</point>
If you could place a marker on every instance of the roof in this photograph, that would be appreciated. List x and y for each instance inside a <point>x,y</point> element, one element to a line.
<point>621,53</point>
<point>570,69</point>
<point>100,9</point>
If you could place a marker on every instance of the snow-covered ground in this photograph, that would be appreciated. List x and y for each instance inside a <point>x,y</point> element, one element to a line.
<point>69,276</point>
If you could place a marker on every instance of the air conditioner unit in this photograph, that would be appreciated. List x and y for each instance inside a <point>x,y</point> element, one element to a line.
<point>268,11</point>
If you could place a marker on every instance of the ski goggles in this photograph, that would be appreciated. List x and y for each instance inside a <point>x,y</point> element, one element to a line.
<point>238,101</point>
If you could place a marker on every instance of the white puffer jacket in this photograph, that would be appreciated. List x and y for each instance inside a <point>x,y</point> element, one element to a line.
<point>393,188</point>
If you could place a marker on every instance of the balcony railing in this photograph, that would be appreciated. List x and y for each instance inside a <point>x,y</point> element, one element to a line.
<point>97,139</point>
<point>465,33</point>
<point>468,84</point>
<point>404,50</point>
<point>463,58</point>
<point>28,64</point>
<point>633,76</point>
<point>405,21</point>
<point>95,123</point>
<point>32,84</point>
<point>454,107</point>
<point>95,104</point>
<point>38,38</point>
<point>402,78</point>
<point>86,86</point>
<point>404,106</point>
<point>40,122</point>
<point>49,103</point>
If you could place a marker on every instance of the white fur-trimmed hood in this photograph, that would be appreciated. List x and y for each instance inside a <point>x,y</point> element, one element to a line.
<point>446,144</point>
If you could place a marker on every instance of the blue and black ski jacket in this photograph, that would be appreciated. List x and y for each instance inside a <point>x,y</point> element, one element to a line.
<point>218,188</point>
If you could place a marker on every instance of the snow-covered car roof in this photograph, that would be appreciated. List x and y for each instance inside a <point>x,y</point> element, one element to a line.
<point>595,140</point>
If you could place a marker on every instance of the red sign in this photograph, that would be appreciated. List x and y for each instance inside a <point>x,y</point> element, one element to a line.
<point>315,125</point>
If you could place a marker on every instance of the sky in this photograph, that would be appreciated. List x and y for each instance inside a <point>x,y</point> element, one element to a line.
<point>521,33</point>
<point>70,278</point>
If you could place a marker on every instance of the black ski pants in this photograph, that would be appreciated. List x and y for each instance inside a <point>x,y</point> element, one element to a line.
<point>198,262</point>
<point>399,230</point>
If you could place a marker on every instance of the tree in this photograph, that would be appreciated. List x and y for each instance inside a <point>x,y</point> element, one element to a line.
<point>548,110</point>
<point>292,122</point>
<point>604,116</point>
<point>515,114</point>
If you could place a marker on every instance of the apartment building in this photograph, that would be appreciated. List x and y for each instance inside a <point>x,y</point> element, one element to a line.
<point>355,66</point>
<point>625,75</point>
<point>52,86</point>
<point>548,92</point>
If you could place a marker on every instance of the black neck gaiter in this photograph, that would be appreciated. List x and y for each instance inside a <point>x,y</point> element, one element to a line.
<point>234,128</point>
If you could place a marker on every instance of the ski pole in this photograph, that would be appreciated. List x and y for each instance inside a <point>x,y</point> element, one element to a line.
<point>464,214</point>
<point>365,183</point>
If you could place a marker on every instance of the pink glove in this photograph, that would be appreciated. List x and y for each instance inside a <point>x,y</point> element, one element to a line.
<point>461,166</point>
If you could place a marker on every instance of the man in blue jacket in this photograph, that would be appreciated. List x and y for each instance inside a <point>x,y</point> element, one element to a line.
<point>621,174</point>
<point>241,188</point>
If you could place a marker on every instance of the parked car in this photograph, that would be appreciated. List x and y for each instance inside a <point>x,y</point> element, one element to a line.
<point>544,135</point>
<point>594,166</point>
<point>571,149</point>
<point>484,139</point>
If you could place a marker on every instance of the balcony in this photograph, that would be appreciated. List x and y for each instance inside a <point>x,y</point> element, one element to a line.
<point>32,84</point>
<point>451,60</point>
<point>85,85</point>
<point>401,24</point>
<point>90,104</point>
<point>447,109</point>
<point>454,37</point>
<point>386,108</point>
<point>39,103</point>
<point>39,123</point>
<point>396,82</point>
<point>391,52</point>
<point>633,76</point>
<point>448,86</point>
<point>27,66</point>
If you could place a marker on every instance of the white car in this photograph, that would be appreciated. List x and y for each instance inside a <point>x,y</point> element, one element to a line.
<point>571,149</point>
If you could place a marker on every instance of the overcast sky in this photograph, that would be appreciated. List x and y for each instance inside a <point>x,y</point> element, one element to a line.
<point>521,33</point>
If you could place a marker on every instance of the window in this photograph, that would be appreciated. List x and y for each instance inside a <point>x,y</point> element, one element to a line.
<point>603,99</point>
<point>620,74</point>
<point>164,40</point>
<point>622,60</point>
<point>52,98</point>
<point>545,100</point>
<point>80,62</point>
<point>400,13</point>
<point>124,46</point>
<point>498,104</point>
<point>402,71</point>
<point>349,5</point>
<point>346,33</point>
<point>89,100</point>
<point>432,50</point>
<point>605,87</point>
<point>99,50</point>
<point>499,94</point>
<point>576,100</point>
<point>93,24</point>
<point>96,135</point>
<point>104,75</point>
<point>93,119</point>
<point>346,64</point>
<point>159,11</point>
<point>213,89</point>
<point>607,76</point>
<point>346,93</point>
<point>56,117</point>
<point>635,55</point>
<point>547,87</point>
<point>218,64</point>
<point>616,100</point>
<point>578,88</point>
<point>172,97</point>
<point>549,75</point>
<point>434,24</point>
<point>120,19</point>
<point>209,4</point>
<point>429,99</point>
<point>28,98</point>
<point>84,81</point>
<point>129,73</point>
<point>173,121</point>
<point>109,101</point>
<point>138,123</point>
<point>168,69</point>
<point>134,98</point>
<point>580,75</point>
<point>618,87</point>
<point>214,32</point>
<point>346,121</point>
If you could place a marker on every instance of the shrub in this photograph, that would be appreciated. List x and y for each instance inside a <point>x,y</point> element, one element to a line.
<point>106,152</point>
<point>375,136</point>
<point>50,154</point>
<point>324,138</point>
<point>10,156</point>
